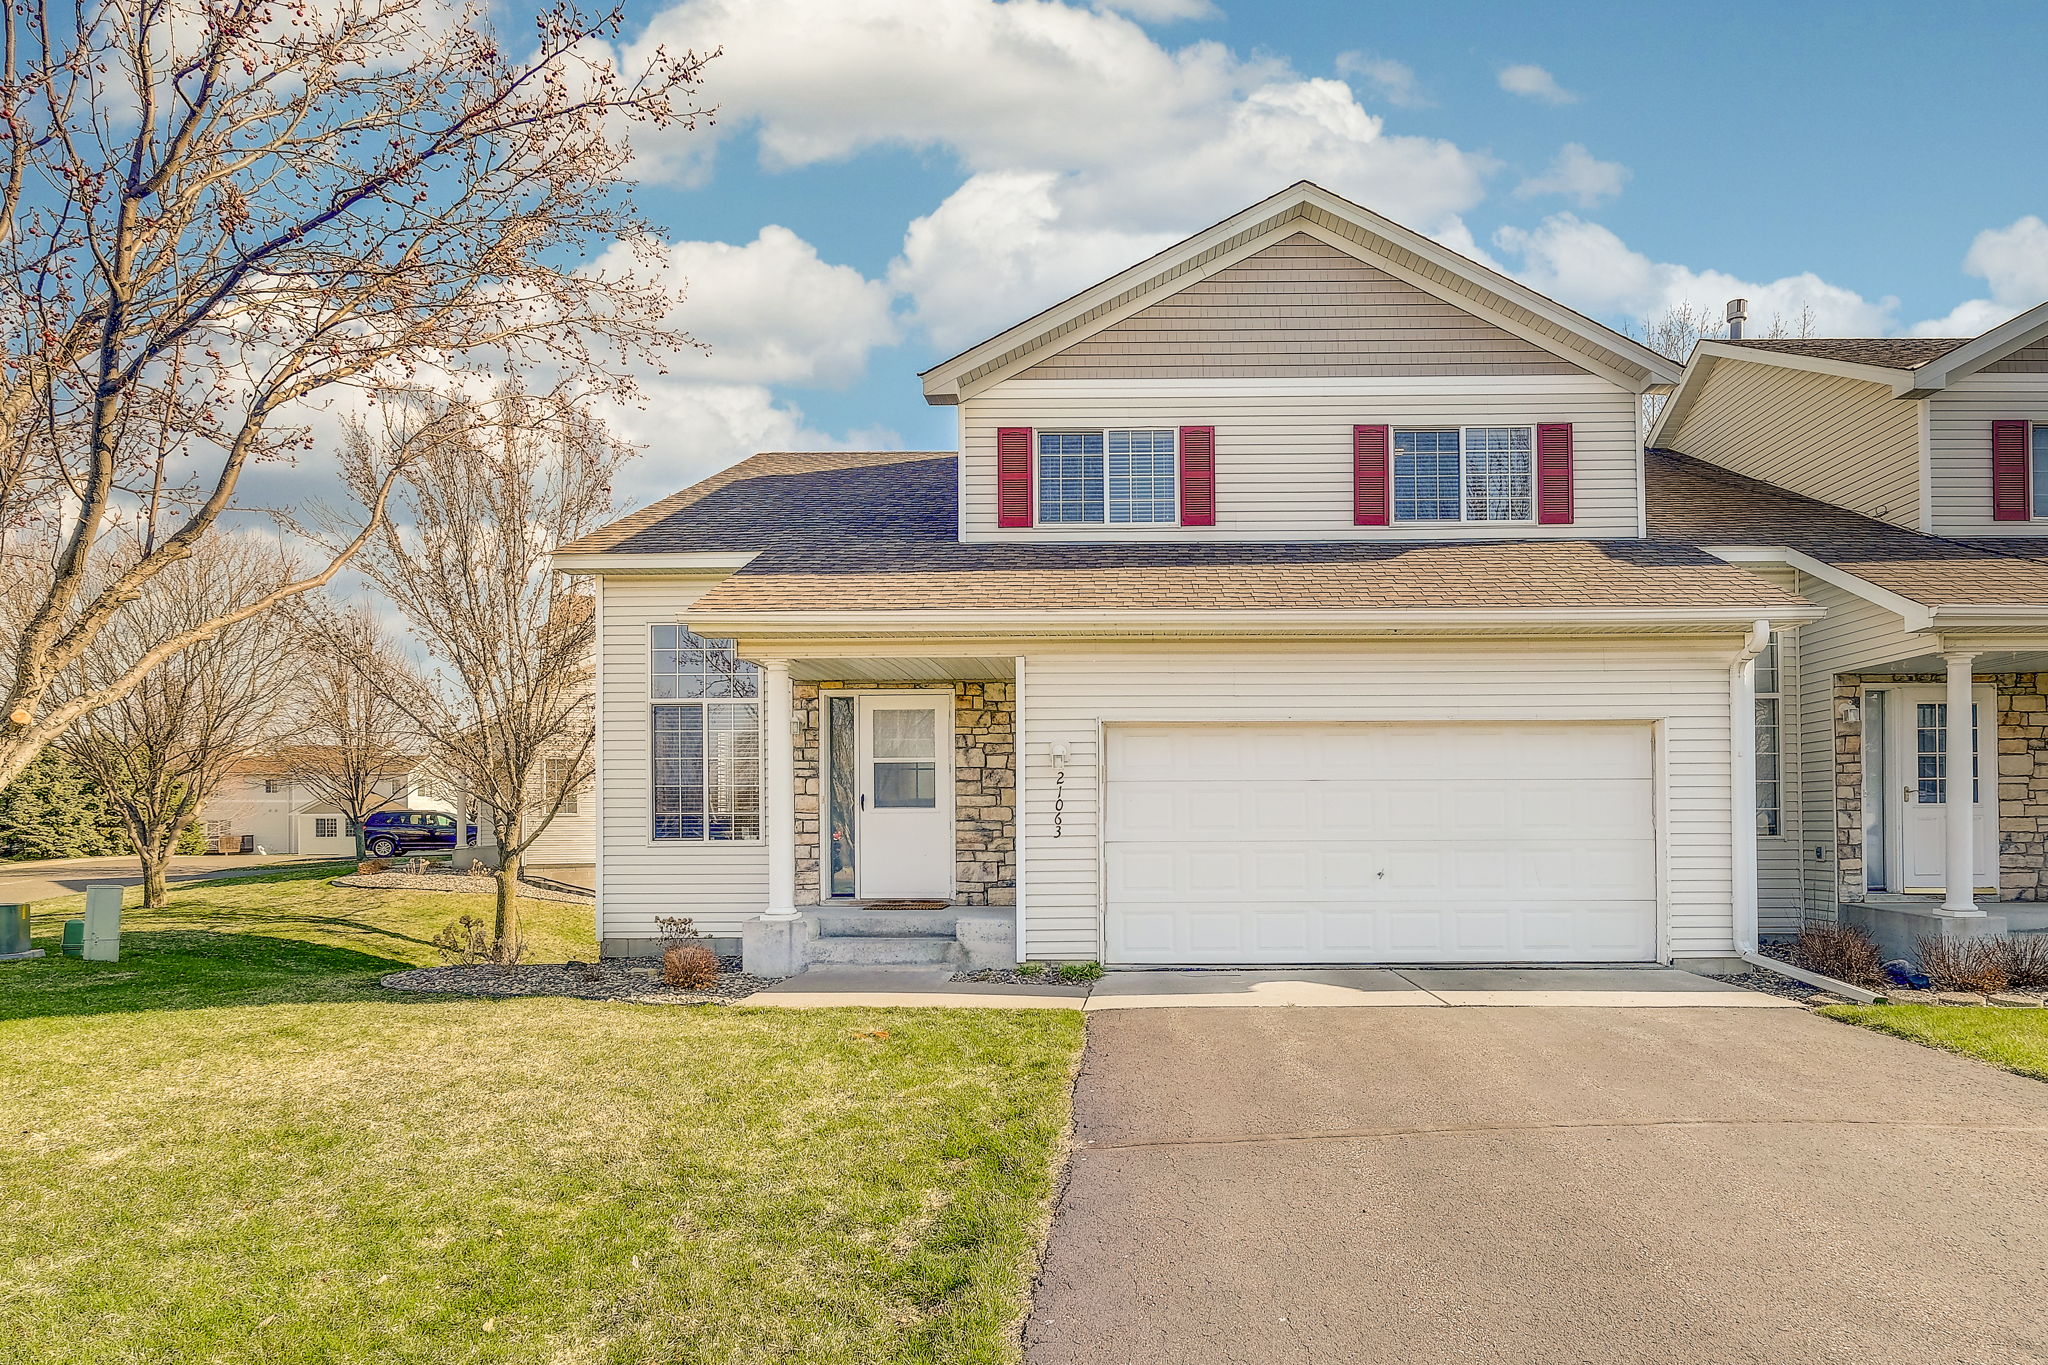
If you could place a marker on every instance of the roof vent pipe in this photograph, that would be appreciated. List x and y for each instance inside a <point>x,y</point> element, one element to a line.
<point>1738,313</point>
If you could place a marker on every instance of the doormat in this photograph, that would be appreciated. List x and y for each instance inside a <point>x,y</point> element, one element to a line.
<point>905,905</point>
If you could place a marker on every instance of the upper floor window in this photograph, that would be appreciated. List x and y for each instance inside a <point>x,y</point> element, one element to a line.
<point>1465,474</point>
<point>707,738</point>
<point>2038,463</point>
<point>1115,476</point>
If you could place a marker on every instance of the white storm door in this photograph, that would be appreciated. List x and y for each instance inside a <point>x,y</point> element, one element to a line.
<point>1919,761</point>
<point>905,784</point>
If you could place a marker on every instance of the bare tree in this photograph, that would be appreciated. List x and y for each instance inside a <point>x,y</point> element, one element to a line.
<point>214,213</point>
<point>1676,330</point>
<point>490,488</point>
<point>350,739</point>
<point>161,750</point>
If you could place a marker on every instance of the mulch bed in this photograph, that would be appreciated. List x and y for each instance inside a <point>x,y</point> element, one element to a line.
<point>1770,983</point>
<point>453,881</point>
<point>635,980</point>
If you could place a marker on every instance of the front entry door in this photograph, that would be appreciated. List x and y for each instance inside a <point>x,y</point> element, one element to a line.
<point>1924,781</point>
<point>905,785</point>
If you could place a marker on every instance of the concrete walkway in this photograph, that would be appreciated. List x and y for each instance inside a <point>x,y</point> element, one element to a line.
<point>1436,988</point>
<point>1541,1187</point>
<point>50,877</point>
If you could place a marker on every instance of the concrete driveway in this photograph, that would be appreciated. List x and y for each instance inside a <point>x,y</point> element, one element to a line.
<point>68,876</point>
<point>1540,1185</point>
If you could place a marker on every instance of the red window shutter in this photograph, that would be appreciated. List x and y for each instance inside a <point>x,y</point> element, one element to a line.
<point>1554,474</point>
<point>2010,500</point>
<point>1198,476</point>
<point>1013,476</point>
<point>1371,481</point>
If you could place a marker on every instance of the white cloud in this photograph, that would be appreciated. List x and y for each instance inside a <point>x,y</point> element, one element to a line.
<point>1395,82</point>
<point>1577,174</point>
<point>1536,83</point>
<point>1161,11</point>
<point>689,430</point>
<point>1586,266</point>
<point>2013,261</point>
<point>771,310</point>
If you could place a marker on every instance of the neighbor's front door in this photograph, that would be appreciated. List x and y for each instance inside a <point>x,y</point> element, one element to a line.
<point>1924,781</point>
<point>905,783</point>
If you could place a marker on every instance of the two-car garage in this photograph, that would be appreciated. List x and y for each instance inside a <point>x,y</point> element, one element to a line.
<point>1263,843</point>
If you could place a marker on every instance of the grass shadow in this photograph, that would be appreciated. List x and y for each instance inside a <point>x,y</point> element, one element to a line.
<point>184,969</point>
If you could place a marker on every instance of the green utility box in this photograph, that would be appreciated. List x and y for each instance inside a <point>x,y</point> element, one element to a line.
<point>102,923</point>
<point>74,938</point>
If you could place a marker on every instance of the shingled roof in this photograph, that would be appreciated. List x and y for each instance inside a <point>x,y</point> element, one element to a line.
<point>875,531</point>
<point>1690,502</point>
<point>1892,353</point>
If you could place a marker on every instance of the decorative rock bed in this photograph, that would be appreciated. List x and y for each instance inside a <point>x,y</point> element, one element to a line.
<point>453,881</point>
<point>635,980</point>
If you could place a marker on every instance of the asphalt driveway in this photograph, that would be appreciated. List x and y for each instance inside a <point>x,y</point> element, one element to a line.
<point>1542,1185</point>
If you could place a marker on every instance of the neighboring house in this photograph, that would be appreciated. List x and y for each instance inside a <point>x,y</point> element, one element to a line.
<point>282,816</point>
<point>1927,542</point>
<point>1302,594</point>
<point>571,837</point>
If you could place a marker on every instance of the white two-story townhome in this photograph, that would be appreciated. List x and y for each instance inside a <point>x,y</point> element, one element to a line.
<point>1301,595</point>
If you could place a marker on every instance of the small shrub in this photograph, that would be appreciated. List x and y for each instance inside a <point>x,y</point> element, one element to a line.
<point>1841,952</point>
<point>690,966</point>
<point>464,941</point>
<point>1031,969</point>
<point>677,931</point>
<point>1963,964</point>
<point>1080,971</point>
<point>370,867</point>
<point>2023,958</point>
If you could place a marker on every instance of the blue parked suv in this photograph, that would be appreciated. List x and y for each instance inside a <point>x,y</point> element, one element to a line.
<point>389,833</point>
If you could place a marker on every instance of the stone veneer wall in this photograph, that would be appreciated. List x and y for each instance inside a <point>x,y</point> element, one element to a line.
<point>984,789</point>
<point>2022,782</point>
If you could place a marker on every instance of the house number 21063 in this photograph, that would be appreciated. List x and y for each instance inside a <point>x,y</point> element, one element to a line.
<point>1059,802</point>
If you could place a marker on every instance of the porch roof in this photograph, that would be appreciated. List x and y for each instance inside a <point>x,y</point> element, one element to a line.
<point>1694,503</point>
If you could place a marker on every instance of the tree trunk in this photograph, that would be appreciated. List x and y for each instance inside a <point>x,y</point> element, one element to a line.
<point>506,945</point>
<point>155,863</point>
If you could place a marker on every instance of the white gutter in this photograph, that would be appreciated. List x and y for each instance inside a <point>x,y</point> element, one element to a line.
<point>714,564</point>
<point>1742,784</point>
<point>1855,994</point>
<point>1918,616</point>
<point>1230,621</point>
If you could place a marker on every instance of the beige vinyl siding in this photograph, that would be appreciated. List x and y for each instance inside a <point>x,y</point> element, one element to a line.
<point>570,837</point>
<point>1959,440</point>
<point>720,885</point>
<point>1283,448</point>
<point>1843,441</point>
<point>1070,696</point>
<point>1780,870</point>
<point>2027,360</point>
<point>1299,309</point>
<point>1855,635</point>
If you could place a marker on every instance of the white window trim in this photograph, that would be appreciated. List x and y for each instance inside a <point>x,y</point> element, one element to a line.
<point>1462,519</point>
<point>1038,482</point>
<point>2036,497</point>
<point>760,726</point>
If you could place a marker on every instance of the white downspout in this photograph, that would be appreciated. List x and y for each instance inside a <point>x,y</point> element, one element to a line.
<point>1742,783</point>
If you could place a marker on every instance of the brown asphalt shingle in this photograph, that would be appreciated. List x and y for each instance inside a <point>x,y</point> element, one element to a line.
<point>875,531</point>
<point>1691,502</point>
<point>1893,353</point>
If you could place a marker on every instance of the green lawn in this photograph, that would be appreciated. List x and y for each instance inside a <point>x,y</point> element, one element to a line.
<point>233,1146</point>
<point>2015,1039</point>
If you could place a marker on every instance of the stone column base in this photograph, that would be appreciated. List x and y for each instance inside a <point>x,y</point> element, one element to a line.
<point>774,947</point>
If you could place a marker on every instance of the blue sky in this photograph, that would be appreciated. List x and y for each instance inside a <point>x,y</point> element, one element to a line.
<point>892,180</point>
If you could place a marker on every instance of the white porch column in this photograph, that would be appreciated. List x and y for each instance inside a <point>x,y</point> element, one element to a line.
<point>778,787</point>
<point>1961,855</point>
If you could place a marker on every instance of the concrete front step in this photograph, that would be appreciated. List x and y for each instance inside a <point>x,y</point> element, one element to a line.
<point>858,923</point>
<point>879,950</point>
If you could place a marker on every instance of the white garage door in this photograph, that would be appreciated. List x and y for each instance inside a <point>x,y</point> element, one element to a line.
<point>1380,843</point>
